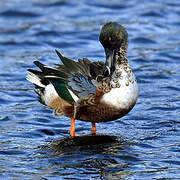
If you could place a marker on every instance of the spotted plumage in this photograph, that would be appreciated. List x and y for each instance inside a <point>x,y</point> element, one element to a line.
<point>90,91</point>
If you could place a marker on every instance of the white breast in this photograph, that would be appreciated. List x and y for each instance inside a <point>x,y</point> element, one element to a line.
<point>124,96</point>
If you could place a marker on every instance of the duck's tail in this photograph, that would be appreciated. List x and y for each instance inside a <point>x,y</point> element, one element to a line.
<point>43,87</point>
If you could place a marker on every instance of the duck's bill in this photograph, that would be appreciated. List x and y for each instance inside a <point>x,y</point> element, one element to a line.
<point>110,62</point>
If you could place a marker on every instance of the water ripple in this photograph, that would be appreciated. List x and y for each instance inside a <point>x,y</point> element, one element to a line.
<point>18,14</point>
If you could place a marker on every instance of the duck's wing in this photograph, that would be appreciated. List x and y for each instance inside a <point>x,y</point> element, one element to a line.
<point>72,80</point>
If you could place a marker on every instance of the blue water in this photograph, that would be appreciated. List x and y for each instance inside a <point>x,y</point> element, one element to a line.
<point>147,142</point>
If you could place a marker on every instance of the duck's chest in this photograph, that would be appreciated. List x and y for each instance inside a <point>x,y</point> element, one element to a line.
<point>114,98</point>
<point>123,90</point>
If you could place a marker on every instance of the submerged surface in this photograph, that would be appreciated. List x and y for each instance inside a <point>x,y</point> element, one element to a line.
<point>145,144</point>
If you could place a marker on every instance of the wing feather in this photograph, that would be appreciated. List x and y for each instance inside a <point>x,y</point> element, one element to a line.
<point>75,77</point>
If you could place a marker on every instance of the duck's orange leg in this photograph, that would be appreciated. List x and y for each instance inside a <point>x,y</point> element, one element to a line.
<point>72,127</point>
<point>93,131</point>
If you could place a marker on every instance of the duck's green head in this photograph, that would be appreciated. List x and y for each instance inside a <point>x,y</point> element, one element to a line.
<point>114,39</point>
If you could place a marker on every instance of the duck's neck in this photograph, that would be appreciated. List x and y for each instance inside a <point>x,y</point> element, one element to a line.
<point>120,57</point>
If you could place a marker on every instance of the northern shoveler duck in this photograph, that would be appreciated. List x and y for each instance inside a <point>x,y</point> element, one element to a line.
<point>90,91</point>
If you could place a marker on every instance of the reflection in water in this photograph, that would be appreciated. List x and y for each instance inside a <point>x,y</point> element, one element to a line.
<point>101,155</point>
<point>83,141</point>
